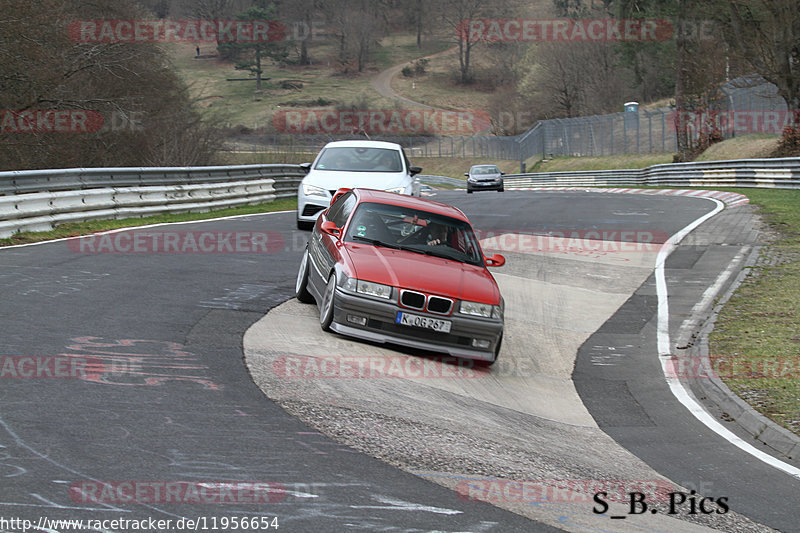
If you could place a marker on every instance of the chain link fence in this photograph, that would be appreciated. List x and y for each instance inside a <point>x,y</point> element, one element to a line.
<point>746,105</point>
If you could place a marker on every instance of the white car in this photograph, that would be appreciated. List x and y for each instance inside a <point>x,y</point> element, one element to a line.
<point>351,164</point>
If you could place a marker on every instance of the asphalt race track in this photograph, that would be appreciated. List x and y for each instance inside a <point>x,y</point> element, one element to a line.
<point>157,322</point>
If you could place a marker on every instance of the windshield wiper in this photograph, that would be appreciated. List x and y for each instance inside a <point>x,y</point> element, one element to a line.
<point>435,252</point>
<point>377,242</point>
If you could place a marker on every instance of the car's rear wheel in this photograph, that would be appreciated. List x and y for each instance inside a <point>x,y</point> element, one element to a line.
<point>301,286</point>
<point>469,191</point>
<point>326,309</point>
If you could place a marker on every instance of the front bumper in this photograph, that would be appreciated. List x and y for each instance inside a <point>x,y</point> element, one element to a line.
<point>381,327</point>
<point>309,207</point>
<point>484,185</point>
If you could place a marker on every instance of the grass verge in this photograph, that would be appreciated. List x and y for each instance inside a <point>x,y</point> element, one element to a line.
<point>757,334</point>
<point>74,229</point>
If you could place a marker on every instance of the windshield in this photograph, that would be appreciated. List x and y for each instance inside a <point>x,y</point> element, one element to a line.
<point>485,170</point>
<point>414,230</point>
<point>360,160</point>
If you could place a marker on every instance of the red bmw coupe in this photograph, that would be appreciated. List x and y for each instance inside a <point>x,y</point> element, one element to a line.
<point>390,268</point>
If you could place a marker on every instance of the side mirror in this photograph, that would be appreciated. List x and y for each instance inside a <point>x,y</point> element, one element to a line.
<point>306,167</point>
<point>414,170</point>
<point>495,260</point>
<point>330,228</point>
<point>339,192</point>
<point>466,174</point>
<point>502,173</point>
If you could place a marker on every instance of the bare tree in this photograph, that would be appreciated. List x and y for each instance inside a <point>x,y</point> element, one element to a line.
<point>766,33</point>
<point>359,25</point>
<point>456,15</point>
<point>300,18</point>
<point>43,70</point>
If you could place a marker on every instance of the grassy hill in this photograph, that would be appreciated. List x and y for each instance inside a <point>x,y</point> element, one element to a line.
<point>324,84</point>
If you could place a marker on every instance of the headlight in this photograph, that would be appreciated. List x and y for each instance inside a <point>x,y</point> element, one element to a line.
<point>472,180</point>
<point>368,288</point>
<point>479,309</point>
<point>398,190</point>
<point>313,190</point>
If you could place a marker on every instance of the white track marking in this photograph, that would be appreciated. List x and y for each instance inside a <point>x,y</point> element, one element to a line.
<point>665,355</point>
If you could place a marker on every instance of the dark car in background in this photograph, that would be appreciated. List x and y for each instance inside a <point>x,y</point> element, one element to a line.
<point>484,178</point>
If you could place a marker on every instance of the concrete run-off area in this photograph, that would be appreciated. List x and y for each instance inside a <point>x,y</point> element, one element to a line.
<point>515,434</point>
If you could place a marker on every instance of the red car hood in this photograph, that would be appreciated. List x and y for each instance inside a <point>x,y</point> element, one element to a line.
<point>425,273</point>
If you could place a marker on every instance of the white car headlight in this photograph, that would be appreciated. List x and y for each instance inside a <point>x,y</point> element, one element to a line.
<point>479,309</point>
<point>368,288</point>
<point>313,190</point>
<point>398,190</point>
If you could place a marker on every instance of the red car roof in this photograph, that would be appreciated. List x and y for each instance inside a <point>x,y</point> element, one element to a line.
<point>383,197</point>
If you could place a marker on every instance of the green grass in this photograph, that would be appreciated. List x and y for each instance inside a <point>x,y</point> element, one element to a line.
<point>759,327</point>
<point>565,164</point>
<point>74,229</point>
<point>744,147</point>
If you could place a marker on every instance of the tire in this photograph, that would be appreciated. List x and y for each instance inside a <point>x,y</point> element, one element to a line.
<point>305,226</point>
<point>496,351</point>
<point>327,305</point>
<point>301,286</point>
<point>469,191</point>
<point>500,190</point>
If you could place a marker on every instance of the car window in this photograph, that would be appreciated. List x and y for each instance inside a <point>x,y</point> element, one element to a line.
<point>415,230</point>
<point>485,170</point>
<point>360,159</point>
<point>340,211</point>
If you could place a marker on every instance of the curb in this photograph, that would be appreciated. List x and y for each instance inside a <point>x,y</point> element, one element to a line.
<point>714,390</point>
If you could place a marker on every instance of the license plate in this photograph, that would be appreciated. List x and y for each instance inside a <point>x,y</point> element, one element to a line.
<point>419,321</point>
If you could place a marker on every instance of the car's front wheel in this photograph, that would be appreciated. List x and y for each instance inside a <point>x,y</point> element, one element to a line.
<point>301,286</point>
<point>497,349</point>
<point>326,309</point>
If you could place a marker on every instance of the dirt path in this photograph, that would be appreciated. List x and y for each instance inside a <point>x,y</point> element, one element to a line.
<point>383,82</point>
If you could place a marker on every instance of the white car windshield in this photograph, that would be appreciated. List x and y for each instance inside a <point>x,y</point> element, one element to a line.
<point>357,159</point>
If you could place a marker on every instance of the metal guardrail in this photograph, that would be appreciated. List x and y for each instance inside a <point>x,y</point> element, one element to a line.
<point>778,173</point>
<point>441,180</point>
<point>38,200</point>
<point>23,181</point>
